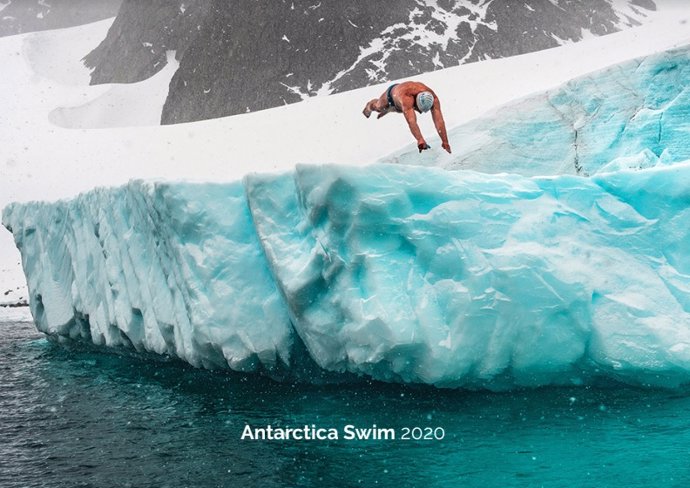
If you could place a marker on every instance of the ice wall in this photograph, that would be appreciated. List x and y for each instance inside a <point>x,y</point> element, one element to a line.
<point>397,273</point>
<point>632,115</point>
<point>171,269</point>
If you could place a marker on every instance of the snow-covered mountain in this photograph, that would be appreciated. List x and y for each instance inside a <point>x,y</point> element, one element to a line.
<point>237,57</point>
<point>19,16</point>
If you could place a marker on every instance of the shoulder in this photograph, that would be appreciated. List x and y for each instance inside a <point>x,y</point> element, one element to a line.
<point>417,86</point>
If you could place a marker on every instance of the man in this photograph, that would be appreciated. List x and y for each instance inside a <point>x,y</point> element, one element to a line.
<point>406,98</point>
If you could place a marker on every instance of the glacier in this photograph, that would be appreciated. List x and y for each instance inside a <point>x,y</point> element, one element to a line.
<point>632,115</point>
<point>391,272</point>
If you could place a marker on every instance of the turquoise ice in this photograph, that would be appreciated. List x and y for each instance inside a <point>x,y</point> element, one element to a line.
<point>397,273</point>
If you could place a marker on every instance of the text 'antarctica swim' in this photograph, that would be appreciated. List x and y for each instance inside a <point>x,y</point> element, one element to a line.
<point>348,432</point>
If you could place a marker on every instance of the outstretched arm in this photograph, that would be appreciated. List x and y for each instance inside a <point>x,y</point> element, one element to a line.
<point>411,119</point>
<point>437,116</point>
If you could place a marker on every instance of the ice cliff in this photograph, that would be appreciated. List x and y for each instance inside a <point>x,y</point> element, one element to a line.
<point>394,272</point>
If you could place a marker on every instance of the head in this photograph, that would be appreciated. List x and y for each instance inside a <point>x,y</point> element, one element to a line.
<point>425,100</point>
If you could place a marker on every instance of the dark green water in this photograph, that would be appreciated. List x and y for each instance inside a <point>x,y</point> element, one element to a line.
<point>87,419</point>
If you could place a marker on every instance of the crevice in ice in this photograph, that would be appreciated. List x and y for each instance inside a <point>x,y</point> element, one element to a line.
<point>578,167</point>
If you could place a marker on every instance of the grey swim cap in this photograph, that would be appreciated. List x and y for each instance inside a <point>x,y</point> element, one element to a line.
<point>425,100</point>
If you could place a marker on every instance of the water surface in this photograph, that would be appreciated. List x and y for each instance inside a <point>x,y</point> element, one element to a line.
<point>77,417</point>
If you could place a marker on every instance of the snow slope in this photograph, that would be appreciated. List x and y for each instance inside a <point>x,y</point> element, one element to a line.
<point>43,161</point>
<point>122,105</point>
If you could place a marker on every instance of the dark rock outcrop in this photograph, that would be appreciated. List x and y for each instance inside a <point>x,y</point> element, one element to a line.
<point>142,32</point>
<point>237,56</point>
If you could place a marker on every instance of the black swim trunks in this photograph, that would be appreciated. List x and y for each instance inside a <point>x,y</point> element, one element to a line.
<point>391,103</point>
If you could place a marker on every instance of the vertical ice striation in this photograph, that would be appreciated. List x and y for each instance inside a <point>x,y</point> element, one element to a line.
<point>171,269</point>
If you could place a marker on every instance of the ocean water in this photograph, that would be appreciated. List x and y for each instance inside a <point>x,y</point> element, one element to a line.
<point>72,417</point>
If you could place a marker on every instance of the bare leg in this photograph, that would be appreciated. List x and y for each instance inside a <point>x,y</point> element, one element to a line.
<point>376,105</point>
<point>369,107</point>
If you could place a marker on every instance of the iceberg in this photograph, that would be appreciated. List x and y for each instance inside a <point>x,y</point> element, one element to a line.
<point>563,262</point>
<point>632,115</point>
<point>390,272</point>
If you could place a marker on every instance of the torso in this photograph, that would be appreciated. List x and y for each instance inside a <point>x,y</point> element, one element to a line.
<point>404,95</point>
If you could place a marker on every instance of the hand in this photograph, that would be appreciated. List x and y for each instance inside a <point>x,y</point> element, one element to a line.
<point>446,146</point>
<point>422,145</point>
<point>366,111</point>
